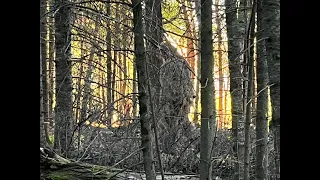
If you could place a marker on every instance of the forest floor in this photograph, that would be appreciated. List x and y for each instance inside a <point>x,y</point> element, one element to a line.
<point>55,167</point>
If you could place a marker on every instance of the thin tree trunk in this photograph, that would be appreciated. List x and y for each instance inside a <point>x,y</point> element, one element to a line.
<point>109,69</point>
<point>189,23</point>
<point>221,110</point>
<point>249,49</point>
<point>262,105</point>
<point>197,65</point>
<point>140,55</point>
<point>42,131</point>
<point>79,87</point>
<point>51,68</point>
<point>64,117</point>
<point>135,91</point>
<point>208,114</point>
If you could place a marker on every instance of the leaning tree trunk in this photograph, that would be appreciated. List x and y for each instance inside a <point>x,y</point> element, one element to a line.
<point>63,114</point>
<point>140,55</point>
<point>208,115</point>
<point>271,31</point>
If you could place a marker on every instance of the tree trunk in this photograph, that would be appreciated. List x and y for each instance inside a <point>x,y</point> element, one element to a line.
<point>109,69</point>
<point>249,50</point>
<point>63,115</point>
<point>271,31</point>
<point>221,108</point>
<point>43,74</point>
<point>234,33</point>
<point>208,114</point>
<point>51,68</point>
<point>262,104</point>
<point>42,126</point>
<point>197,64</point>
<point>140,55</point>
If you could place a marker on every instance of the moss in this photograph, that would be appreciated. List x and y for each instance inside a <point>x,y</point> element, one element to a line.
<point>60,176</point>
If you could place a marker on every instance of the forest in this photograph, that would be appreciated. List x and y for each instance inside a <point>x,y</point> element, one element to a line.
<point>160,89</point>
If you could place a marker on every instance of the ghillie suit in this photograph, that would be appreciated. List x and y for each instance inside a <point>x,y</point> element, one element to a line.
<point>176,95</point>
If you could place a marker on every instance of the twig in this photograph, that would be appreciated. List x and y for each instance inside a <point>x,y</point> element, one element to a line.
<point>259,93</point>
<point>134,152</point>
<point>123,170</point>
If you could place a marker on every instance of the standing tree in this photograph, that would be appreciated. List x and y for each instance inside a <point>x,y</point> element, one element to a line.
<point>43,76</point>
<point>42,126</point>
<point>51,66</point>
<point>262,104</point>
<point>63,109</point>
<point>109,69</point>
<point>235,43</point>
<point>270,13</point>
<point>140,55</point>
<point>208,114</point>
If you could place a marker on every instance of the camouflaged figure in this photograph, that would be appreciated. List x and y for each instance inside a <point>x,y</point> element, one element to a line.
<point>176,96</point>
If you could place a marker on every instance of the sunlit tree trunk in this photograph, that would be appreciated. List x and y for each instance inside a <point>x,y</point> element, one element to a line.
<point>119,73</point>
<point>51,66</point>
<point>271,30</point>
<point>208,114</point>
<point>221,108</point>
<point>43,44</point>
<point>79,86</point>
<point>189,23</point>
<point>109,68</point>
<point>63,115</point>
<point>197,60</point>
<point>140,55</point>
<point>262,104</point>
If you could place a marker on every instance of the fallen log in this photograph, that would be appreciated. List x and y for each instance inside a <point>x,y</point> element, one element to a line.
<point>55,167</point>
